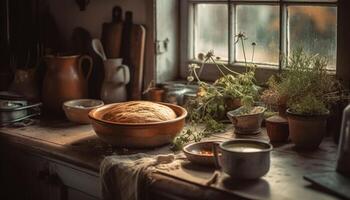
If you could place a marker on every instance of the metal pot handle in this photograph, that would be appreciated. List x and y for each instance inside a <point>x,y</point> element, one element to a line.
<point>215,149</point>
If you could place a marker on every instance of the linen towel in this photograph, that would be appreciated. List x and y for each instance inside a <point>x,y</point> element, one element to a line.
<point>124,177</point>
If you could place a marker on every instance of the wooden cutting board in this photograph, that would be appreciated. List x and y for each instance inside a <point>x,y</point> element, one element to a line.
<point>112,34</point>
<point>137,52</point>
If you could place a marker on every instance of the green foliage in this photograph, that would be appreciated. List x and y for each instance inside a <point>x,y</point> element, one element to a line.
<point>210,107</point>
<point>306,84</point>
<point>309,105</point>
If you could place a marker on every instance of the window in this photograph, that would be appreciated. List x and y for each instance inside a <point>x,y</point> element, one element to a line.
<point>277,27</point>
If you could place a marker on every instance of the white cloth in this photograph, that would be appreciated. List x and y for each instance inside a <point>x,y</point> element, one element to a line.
<point>123,177</point>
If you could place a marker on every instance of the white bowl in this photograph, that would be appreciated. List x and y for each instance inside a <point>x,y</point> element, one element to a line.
<point>78,110</point>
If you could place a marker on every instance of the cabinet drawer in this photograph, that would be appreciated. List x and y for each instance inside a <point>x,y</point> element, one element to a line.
<point>78,179</point>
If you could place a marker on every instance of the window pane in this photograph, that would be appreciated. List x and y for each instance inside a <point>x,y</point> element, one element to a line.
<point>211,29</point>
<point>314,29</point>
<point>261,25</point>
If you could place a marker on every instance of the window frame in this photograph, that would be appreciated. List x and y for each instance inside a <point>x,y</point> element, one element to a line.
<point>264,70</point>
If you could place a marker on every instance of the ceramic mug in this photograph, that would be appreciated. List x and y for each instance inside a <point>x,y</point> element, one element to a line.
<point>243,158</point>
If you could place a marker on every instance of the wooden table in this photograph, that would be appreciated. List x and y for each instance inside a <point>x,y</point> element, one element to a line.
<point>79,146</point>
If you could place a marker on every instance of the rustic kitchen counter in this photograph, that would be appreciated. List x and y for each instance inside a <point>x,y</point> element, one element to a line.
<point>79,147</point>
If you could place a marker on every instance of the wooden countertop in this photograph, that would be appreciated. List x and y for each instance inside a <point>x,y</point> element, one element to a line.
<point>79,146</point>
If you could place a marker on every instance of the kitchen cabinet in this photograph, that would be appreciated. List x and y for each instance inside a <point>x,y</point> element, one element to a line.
<point>30,176</point>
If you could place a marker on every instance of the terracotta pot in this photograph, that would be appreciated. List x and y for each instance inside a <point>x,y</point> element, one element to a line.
<point>307,131</point>
<point>64,81</point>
<point>277,128</point>
<point>155,94</point>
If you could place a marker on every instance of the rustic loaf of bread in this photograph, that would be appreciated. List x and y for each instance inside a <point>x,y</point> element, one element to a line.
<point>139,112</point>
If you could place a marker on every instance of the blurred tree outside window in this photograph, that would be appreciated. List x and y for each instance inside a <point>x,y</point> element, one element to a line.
<point>310,24</point>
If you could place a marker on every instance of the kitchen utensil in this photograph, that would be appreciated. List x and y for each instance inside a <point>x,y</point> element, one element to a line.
<point>117,76</point>
<point>343,164</point>
<point>98,48</point>
<point>137,51</point>
<point>140,135</point>
<point>64,80</point>
<point>200,152</point>
<point>78,110</point>
<point>125,49</point>
<point>243,158</point>
<point>277,128</point>
<point>112,34</point>
<point>13,111</point>
<point>246,124</point>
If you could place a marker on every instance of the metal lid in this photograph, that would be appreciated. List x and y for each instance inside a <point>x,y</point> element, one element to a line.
<point>10,105</point>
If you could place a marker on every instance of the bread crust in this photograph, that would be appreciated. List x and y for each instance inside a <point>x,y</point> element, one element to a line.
<point>139,112</point>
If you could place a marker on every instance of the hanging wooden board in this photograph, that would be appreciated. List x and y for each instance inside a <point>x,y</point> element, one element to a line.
<point>137,52</point>
<point>112,34</point>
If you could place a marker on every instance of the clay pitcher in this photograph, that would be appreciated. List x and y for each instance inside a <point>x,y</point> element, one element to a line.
<point>64,80</point>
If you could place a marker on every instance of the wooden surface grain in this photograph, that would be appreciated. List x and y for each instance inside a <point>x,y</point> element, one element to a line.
<point>78,145</point>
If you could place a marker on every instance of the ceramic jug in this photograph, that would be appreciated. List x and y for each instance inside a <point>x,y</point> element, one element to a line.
<point>64,80</point>
<point>117,76</point>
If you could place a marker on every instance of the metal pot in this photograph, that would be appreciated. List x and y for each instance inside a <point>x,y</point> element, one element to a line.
<point>13,111</point>
<point>174,93</point>
<point>243,158</point>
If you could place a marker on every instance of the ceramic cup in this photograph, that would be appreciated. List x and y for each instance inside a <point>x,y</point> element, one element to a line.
<point>243,158</point>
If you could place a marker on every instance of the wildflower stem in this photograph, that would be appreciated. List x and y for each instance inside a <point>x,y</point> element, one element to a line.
<point>245,58</point>
<point>217,66</point>
<point>253,53</point>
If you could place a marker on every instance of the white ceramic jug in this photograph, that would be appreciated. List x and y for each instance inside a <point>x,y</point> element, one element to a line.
<point>117,76</point>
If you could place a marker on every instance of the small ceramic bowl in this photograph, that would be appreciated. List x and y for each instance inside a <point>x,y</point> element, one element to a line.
<point>78,110</point>
<point>200,152</point>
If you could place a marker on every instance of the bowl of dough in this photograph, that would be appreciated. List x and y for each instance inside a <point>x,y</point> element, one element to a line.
<point>138,124</point>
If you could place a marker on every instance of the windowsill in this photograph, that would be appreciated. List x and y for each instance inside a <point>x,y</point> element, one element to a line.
<point>263,71</point>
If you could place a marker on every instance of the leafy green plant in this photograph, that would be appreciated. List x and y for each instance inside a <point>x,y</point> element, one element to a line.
<point>210,107</point>
<point>306,84</point>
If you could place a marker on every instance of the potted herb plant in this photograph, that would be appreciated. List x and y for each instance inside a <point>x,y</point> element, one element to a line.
<point>309,90</point>
<point>232,91</point>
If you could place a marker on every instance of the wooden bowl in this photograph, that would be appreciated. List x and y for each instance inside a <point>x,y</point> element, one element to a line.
<point>140,135</point>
